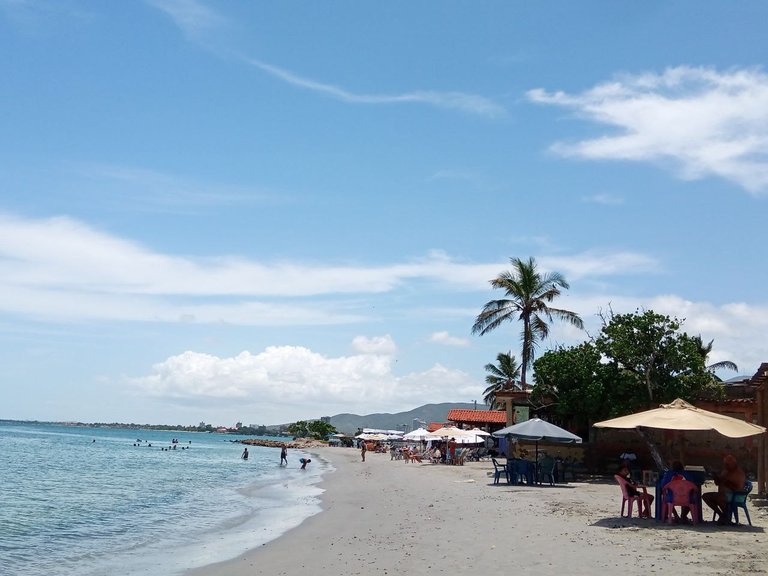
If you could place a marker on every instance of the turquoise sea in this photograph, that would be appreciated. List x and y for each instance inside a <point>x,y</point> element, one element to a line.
<point>102,501</point>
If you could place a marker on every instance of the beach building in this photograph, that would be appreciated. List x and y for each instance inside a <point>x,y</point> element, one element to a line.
<point>488,420</point>
<point>517,405</point>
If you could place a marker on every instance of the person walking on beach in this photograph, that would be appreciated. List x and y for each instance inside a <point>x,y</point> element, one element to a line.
<point>284,456</point>
<point>245,454</point>
<point>363,450</point>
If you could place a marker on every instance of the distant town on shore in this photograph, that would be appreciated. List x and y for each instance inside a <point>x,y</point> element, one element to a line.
<point>343,422</point>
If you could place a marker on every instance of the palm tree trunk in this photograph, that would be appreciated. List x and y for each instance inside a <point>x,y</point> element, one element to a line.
<point>526,352</point>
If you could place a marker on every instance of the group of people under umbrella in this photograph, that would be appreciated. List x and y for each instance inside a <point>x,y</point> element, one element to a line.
<point>675,416</point>
<point>732,484</point>
<point>678,415</point>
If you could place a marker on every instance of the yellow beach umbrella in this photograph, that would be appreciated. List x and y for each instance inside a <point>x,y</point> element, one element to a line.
<point>679,415</point>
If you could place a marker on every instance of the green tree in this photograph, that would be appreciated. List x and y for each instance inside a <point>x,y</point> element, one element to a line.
<point>576,383</point>
<point>311,429</point>
<point>501,376</point>
<point>299,429</point>
<point>320,430</point>
<point>663,362</point>
<point>528,295</point>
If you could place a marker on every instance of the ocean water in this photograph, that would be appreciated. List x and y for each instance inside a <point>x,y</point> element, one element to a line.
<point>97,502</point>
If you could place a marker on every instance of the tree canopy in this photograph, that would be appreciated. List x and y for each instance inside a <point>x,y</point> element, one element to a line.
<point>662,359</point>
<point>638,361</point>
<point>501,376</point>
<point>316,429</point>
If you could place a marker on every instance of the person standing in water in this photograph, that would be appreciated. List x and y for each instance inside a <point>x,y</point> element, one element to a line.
<point>284,456</point>
<point>245,454</point>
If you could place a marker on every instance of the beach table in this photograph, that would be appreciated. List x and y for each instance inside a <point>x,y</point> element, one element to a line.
<point>517,468</point>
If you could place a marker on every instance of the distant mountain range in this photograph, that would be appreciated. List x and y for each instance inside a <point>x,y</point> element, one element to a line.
<point>350,423</point>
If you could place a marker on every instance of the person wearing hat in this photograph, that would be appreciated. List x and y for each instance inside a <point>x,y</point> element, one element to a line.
<point>730,479</point>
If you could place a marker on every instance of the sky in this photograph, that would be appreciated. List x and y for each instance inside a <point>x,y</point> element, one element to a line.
<point>271,211</point>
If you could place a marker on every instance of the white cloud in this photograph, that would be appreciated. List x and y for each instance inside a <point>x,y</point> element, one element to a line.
<point>290,379</point>
<point>599,263</point>
<point>60,268</point>
<point>446,339</point>
<point>604,199</point>
<point>192,17</point>
<point>738,329</point>
<point>196,20</point>
<point>461,101</point>
<point>702,121</point>
<point>377,345</point>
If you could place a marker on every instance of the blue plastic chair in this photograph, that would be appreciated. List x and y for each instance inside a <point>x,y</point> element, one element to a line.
<point>498,470</point>
<point>736,500</point>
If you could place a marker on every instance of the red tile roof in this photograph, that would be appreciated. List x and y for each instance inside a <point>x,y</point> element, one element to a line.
<point>479,416</point>
<point>434,426</point>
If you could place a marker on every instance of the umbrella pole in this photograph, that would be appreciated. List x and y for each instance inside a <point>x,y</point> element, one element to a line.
<point>652,447</point>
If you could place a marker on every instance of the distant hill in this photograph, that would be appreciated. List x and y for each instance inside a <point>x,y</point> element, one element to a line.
<point>350,423</point>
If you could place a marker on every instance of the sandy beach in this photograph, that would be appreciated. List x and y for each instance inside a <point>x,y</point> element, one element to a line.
<point>384,517</point>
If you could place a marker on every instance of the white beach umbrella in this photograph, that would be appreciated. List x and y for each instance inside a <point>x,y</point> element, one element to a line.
<point>478,432</point>
<point>365,436</point>
<point>459,435</point>
<point>417,435</point>
<point>448,431</point>
<point>467,439</point>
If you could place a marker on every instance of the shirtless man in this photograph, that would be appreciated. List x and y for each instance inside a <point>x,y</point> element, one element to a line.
<point>732,479</point>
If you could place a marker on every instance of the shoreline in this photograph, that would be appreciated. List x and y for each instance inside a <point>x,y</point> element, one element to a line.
<point>385,517</point>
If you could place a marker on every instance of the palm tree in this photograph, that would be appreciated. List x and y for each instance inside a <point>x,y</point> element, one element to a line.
<point>528,294</point>
<point>706,350</point>
<point>501,376</point>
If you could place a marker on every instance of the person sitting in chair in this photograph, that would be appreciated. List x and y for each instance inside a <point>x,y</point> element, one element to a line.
<point>673,475</point>
<point>731,478</point>
<point>632,490</point>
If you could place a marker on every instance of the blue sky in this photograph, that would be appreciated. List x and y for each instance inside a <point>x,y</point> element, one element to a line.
<point>262,212</point>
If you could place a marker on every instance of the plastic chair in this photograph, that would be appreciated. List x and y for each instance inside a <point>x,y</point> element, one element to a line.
<point>683,493</point>
<point>628,500</point>
<point>513,471</point>
<point>498,470</point>
<point>736,500</point>
<point>547,470</point>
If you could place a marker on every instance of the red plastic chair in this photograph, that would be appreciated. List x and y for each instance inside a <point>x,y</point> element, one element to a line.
<point>683,493</point>
<point>628,500</point>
